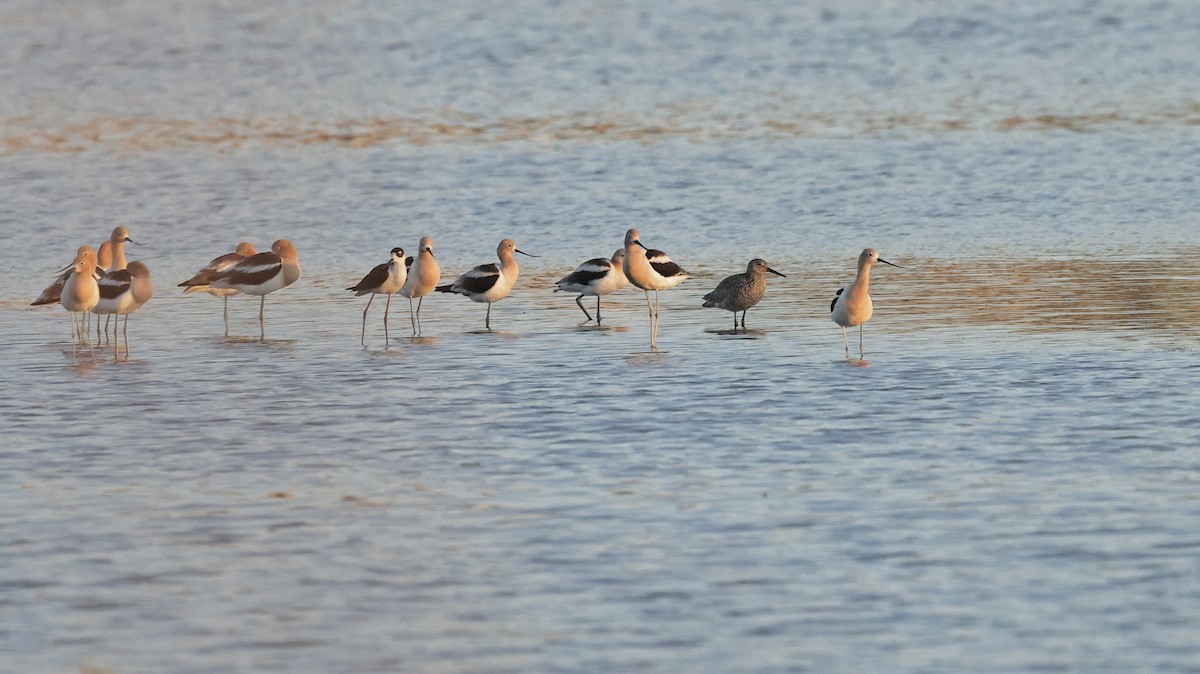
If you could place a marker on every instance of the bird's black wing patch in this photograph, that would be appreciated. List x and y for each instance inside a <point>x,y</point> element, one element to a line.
<point>114,283</point>
<point>374,278</point>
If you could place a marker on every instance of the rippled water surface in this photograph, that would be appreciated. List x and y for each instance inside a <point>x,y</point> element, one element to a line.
<point>1007,482</point>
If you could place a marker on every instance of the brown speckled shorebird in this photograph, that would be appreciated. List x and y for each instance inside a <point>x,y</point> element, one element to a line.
<point>741,291</point>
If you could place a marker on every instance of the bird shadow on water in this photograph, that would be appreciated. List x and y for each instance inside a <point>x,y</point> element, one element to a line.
<point>588,326</point>
<point>740,333</point>
<point>652,357</point>
<point>385,351</point>
<point>856,362</point>
<point>501,334</point>
<point>416,340</point>
<point>238,340</point>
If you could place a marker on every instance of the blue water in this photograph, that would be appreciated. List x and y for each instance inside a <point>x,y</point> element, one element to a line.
<point>1007,482</point>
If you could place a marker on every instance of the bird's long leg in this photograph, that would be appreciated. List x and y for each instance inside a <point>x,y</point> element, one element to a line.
<point>412,318</point>
<point>226,315</point>
<point>585,311</point>
<point>386,308</point>
<point>419,301</point>
<point>650,309</point>
<point>262,326</point>
<point>743,320</point>
<point>74,334</point>
<point>91,347</point>
<point>860,340</point>
<point>487,320</point>
<point>735,322</point>
<point>846,340</point>
<point>126,331</point>
<point>364,325</point>
<point>597,310</point>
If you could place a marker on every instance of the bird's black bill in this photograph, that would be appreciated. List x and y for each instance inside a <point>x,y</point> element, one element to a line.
<point>129,240</point>
<point>641,244</point>
<point>524,253</point>
<point>776,273</point>
<point>891,263</point>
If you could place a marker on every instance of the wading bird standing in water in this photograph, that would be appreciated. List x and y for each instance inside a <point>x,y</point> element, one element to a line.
<point>851,305</point>
<point>741,291</point>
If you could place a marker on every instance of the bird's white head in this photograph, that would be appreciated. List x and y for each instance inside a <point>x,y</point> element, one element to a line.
<point>632,238</point>
<point>870,256</point>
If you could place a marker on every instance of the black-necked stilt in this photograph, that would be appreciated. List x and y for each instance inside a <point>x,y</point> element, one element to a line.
<point>384,279</point>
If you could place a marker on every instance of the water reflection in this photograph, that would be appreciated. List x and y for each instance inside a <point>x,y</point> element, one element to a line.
<point>1052,295</point>
<point>141,134</point>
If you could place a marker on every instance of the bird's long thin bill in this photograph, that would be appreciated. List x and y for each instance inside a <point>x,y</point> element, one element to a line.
<point>129,240</point>
<point>776,273</point>
<point>891,263</point>
<point>524,253</point>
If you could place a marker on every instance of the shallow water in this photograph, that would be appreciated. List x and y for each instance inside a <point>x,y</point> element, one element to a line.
<point>1006,482</point>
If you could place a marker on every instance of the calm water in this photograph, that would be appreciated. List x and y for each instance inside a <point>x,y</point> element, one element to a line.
<point>1008,483</point>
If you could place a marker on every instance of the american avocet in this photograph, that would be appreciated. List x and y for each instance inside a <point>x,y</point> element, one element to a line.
<point>852,304</point>
<point>104,257</point>
<point>80,293</point>
<point>201,282</point>
<point>650,270</point>
<point>489,282</point>
<point>117,240</point>
<point>741,291</point>
<point>597,276</point>
<point>53,291</point>
<point>261,274</point>
<point>122,292</point>
<point>116,245</point>
<point>422,279</point>
<point>386,279</point>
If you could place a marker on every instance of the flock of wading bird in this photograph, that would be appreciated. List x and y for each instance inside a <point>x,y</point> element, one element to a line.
<point>102,282</point>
